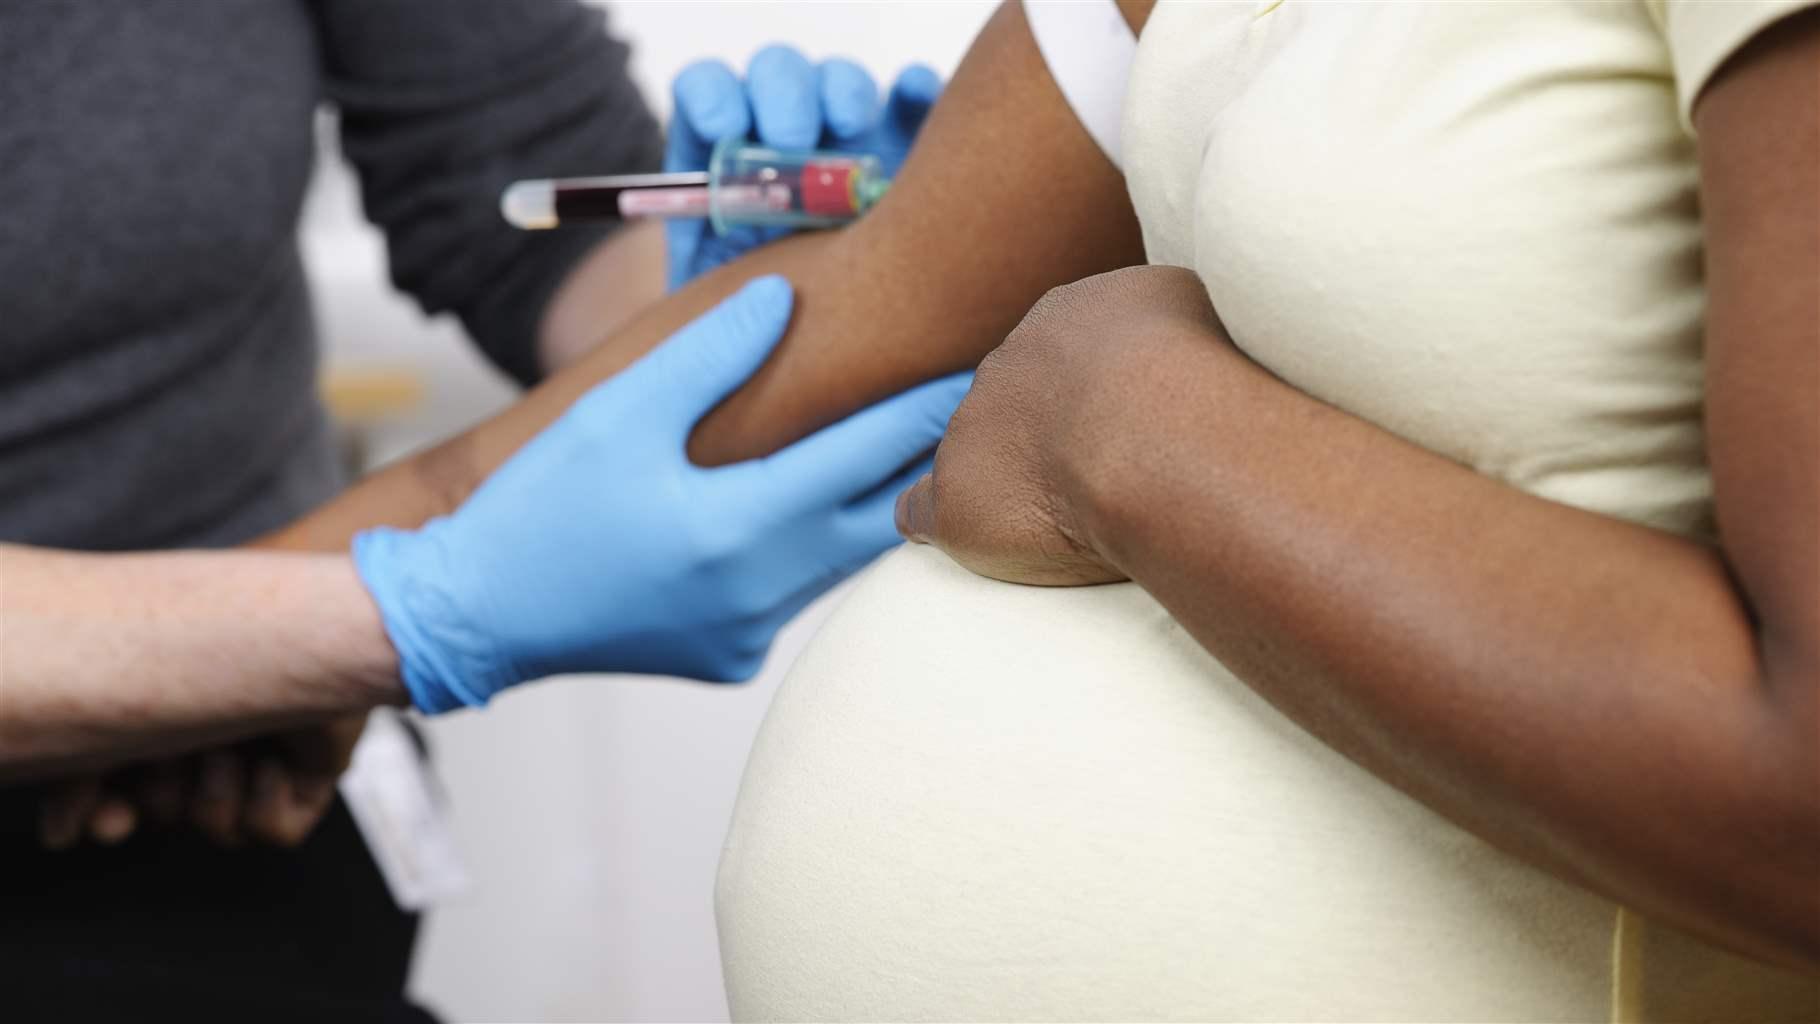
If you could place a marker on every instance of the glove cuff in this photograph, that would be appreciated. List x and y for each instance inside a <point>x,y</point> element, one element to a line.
<point>444,662</point>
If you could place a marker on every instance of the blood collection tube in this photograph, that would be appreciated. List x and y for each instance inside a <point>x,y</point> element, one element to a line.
<point>771,187</point>
<point>743,185</point>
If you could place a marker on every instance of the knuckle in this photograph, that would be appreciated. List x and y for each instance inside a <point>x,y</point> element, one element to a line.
<point>738,663</point>
<point>745,598</point>
<point>1054,302</point>
<point>992,367</point>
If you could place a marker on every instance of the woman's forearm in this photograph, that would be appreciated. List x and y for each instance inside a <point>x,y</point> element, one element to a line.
<point>1637,710</point>
<point>968,238</point>
<point>434,482</point>
<point>1584,691</point>
<point>1633,709</point>
<point>111,656</point>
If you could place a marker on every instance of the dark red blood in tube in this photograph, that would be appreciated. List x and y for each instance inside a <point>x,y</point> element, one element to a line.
<point>827,188</point>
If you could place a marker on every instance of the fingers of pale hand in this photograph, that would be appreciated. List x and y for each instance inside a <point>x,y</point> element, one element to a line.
<point>218,801</point>
<point>66,811</point>
<point>113,821</point>
<point>311,798</point>
<point>158,789</point>
<point>850,459</point>
<point>849,99</point>
<point>704,362</point>
<point>321,752</point>
<point>267,802</point>
<point>279,811</point>
<point>782,90</point>
<point>710,105</point>
<point>310,792</point>
<point>293,781</point>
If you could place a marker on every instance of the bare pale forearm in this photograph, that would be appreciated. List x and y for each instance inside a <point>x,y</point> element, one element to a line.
<point>970,236</point>
<point>616,281</point>
<point>104,657</point>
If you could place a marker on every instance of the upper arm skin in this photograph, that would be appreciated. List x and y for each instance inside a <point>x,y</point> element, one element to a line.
<point>1003,197</point>
<point>1759,141</point>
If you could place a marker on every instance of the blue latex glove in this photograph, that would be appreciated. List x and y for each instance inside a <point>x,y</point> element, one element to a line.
<point>793,105</point>
<point>599,547</point>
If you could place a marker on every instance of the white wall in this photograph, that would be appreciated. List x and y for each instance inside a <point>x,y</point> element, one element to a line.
<point>591,810</point>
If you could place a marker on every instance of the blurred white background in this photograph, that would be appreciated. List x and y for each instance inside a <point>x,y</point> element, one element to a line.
<point>590,810</point>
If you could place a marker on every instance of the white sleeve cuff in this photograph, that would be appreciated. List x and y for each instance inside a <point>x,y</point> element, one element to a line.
<point>1088,48</point>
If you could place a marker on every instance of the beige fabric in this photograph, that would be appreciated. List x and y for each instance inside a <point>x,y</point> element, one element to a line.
<point>1474,224</point>
<point>974,801</point>
<point>1701,34</point>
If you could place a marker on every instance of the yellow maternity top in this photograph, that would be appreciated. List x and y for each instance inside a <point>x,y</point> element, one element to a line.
<point>1472,223</point>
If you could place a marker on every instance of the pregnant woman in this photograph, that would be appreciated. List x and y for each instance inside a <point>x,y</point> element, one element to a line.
<point>1461,450</point>
<point>1469,478</point>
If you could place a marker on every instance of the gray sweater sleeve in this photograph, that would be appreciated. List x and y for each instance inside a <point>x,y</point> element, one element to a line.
<point>445,102</point>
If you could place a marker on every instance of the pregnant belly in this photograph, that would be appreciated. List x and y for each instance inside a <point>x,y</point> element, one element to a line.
<point>973,801</point>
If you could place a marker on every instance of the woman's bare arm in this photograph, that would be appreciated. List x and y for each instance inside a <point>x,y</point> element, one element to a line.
<point>1004,196</point>
<point>1635,710</point>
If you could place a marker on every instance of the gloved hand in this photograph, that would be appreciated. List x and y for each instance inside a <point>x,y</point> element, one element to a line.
<point>600,547</point>
<point>793,105</point>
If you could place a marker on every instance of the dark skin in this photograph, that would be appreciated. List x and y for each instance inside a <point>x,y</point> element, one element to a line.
<point>926,284</point>
<point>1633,710</point>
<point>936,276</point>
<point>956,224</point>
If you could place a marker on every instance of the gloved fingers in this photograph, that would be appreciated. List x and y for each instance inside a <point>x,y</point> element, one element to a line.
<point>806,595</point>
<point>849,99</point>
<point>913,95</point>
<point>709,105</point>
<point>863,533</point>
<point>740,239</point>
<point>869,525</point>
<point>689,374</point>
<point>683,239</point>
<point>786,105</point>
<point>701,248</point>
<point>915,91</point>
<point>848,460</point>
